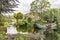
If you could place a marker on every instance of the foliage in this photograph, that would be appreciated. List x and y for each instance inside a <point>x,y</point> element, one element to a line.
<point>7,5</point>
<point>29,20</point>
<point>18,15</point>
<point>40,6</point>
<point>22,22</point>
<point>2,20</point>
<point>40,12</point>
<point>48,16</point>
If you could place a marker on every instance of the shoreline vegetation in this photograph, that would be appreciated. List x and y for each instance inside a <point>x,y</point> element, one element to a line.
<point>41,23</point>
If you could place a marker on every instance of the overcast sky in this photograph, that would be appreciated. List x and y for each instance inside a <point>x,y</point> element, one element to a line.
<point>24,5</point>
<point>55,3</point>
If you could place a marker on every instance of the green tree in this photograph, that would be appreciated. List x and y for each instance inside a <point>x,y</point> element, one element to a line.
<point>19,20</point>
<point>56,13</point>
<point>23,23</point>
<point>38,7</point>
<point>2,22</point>
<point>19,15</point>
<point>7,5</point>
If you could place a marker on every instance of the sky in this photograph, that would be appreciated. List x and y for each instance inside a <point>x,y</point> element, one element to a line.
<point>55,3</point>
<point>24,5</point>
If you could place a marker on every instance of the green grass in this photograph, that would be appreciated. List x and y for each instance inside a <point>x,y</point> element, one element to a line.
<point>3,36</point>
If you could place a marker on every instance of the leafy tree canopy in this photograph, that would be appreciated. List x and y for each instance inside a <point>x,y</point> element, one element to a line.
<point>7,5</point>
